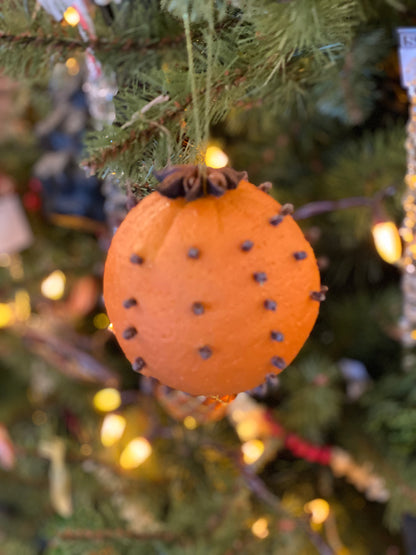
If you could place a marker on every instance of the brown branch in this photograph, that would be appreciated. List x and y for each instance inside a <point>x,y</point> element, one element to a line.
<point>46,40</point>
<point>322,206</point>
<point>99,160</point>
<point>115,534</point>
<point>99,45</point>
<point>259,489</point>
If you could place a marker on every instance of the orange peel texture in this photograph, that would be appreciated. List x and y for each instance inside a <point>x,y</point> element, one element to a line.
<point>211,296</point>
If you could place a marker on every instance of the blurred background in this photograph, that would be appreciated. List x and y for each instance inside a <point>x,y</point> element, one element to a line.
<point>95,459</point>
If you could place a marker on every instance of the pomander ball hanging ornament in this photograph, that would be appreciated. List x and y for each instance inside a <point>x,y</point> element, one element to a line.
<point>210,284</point>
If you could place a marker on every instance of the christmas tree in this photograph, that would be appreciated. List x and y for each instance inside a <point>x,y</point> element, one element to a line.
<point>309,98</point>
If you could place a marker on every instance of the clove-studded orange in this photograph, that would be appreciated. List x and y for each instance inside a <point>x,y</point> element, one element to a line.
<point>210,284</point>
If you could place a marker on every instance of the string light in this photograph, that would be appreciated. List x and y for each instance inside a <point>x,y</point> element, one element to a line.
<point>71,16</point>
<point>22,305</point>
<point>101,321</point>
<point>135,453</point>
<point>318,509</point>
<point>247,429</point>
<point>252,450</point>
<point>110,327</point>
<point>6,315</point>
<point>260,528</point>
<point>387,241</point>
<point>53,286</point>
<point>72,66</point>
<point>190,422</point>
<point>112,429</point>
<point>107,400</point>
<point>215,157</point>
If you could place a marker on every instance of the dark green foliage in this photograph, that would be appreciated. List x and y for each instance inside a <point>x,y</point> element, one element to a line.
<point>305,94</point>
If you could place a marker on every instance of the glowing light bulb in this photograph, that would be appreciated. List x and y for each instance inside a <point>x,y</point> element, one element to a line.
<point>215,157</point>
<point>252,450</point>
<point>190,423</point>
<point>260,528</point>
<point>318,509</point>
<point>387,241</point>
<point>53,287</point>
<point>135,453</point>
<point>247,429</point>
<point>72,66</point>
<point>107,399</point>
<point>22,305</point>
<point>112,429</point>
<point>101,321</point>
<point>71,16</point>
<point>6,315</point>
<point>110,327</point>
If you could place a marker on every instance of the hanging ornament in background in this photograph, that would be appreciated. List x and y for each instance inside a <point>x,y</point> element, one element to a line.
<point>407,55</point>
<point>70,198</point>
<point>213,292</point>
<point>100,88</point>
<point>15,232</point>
<point>387,241</point>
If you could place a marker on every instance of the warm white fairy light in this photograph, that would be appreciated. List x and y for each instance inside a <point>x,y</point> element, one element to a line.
<point>22,307</point>
<point>72,66</point>
<point>112,429</point>
<point>387,241</point>
<point>135,453</point>
<point>53,286</point>
<point>6,315</point>
<point>252,450</point>
<point>71,16</point>
<point>215,157</point>
<point>318,509</point>
<point>190,422</point>
<point>260,528</point>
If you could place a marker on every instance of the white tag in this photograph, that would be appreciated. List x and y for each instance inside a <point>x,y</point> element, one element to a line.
<point>407,56</point>
<point>15,232</point>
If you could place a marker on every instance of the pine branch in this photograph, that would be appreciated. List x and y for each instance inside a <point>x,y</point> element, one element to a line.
<point>99,46</point>
<point>102,159</point>
<point>115,534</point>
<point>258,487</point>
<point>26,39</point>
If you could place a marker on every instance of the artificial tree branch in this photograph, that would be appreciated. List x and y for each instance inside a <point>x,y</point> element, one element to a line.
<point>115,534</point>
<point>259,489</point>
<point>100,46</point>
<point>256,485</point>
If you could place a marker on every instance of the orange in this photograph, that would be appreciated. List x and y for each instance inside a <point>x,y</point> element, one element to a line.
<point>211,296</point>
